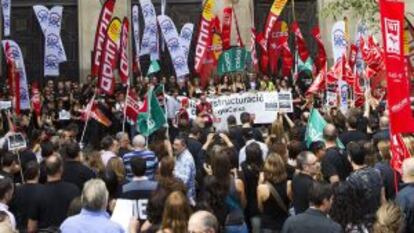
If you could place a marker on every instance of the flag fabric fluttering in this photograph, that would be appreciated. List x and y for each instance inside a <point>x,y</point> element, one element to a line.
<point>93,111</point>
<point>321,58</point>
<point>153,118</point>
<point>123,65</point>
<point>314,130</point>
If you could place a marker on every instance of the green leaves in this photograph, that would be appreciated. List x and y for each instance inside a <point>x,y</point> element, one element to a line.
<point>366,10</point>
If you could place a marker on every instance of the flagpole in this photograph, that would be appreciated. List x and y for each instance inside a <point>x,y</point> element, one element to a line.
<point>125,107</point>
<point>88,115</point>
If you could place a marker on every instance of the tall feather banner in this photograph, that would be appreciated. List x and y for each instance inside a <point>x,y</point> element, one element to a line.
<point>149,43</point>
<point>253,53</point>
<point>100,35</point>
<point>300,42</point>
<point>109,56</point>
<point>226,27</point>
<point>172,39</point>
<point>123,52</point>
<point>135,26</point>
<point>362,31</point>
<point>205,36</point>
<point>339,42</point>
<point>50,22</point>
<point>321,58</point>
<point>6,9</point>
<point>13,53</point>
<point>186,34</point>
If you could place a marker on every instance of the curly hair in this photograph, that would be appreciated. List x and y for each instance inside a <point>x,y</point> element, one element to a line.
<point>347,207</point>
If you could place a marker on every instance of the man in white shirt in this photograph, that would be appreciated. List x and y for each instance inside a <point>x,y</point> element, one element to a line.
<point>248,136</point>
<point>110,148</point>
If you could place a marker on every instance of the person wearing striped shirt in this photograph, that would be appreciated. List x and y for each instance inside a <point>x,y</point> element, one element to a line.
<point>140,151</point>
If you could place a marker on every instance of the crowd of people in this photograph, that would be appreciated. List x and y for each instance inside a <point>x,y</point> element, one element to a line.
<point>190,178</point>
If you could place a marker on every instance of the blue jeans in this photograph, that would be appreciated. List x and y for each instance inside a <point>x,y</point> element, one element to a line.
<point>236,229</point>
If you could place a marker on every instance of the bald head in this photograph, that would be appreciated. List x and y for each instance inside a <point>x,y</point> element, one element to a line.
<point>383,122</point>
<point>138,141</point>
<point>330,133</point>
<point>203,221</point>
<point>408,170</point>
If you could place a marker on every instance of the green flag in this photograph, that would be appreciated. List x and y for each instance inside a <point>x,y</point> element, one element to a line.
<point>305,67</point>
<point>314,131</point>
<point>154,67</point>
<point>153,118</point>
<point>232,60</point>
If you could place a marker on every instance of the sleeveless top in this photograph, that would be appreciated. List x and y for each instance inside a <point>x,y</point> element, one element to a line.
<point>273,216</point>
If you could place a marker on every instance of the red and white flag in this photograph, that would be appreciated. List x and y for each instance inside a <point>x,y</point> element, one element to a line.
<point>132,106</point>
<point>100,35</point>
<point>123,52</point>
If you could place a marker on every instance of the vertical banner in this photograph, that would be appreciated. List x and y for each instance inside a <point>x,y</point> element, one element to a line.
<point>149,43</point>
<point>339,42</point>
<point>135,26</point>
<point>362,31</point>
<point>398,84</point>
<point>272,17</point>
<point>50,22</point>
<point>100,35</point>
<point>109,57</point>
<point>226,27</point>
<point>123,52</point>
<point>300,42</point>
<point>172,39</point>
<point>6,10</point>
<point>204,39</point>
<point>321,57</point>
<point>343,94</point>
<point>13,53</point>
<point>186,35</point>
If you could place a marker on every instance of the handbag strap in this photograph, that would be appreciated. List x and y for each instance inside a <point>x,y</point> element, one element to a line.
<point>277,197</point>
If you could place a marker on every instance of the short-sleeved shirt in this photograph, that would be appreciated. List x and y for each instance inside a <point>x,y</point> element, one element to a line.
<point>335,163</point>
<point>368,183</point>
<point>150,159</point>
<point>76,173</point>
<point>52,202</point>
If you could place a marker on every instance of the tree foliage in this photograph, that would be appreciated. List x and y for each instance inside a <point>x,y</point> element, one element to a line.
<point>366,10</point>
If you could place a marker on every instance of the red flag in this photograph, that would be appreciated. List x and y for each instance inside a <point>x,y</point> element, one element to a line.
<point>272,47</point>
<point>352,56</point>
<point>320,61</point>
<point>300,42</point>
<point>287,58</point>
<point>398,84</point>
<point>109,58</point>
<point>264,58</point>
<point>319,83</point>
<point>92,111</point>
<point>226,28</point>
<point>399,152</point>
<point>100,35</point>
<point>132,106</point>
<point>36,102</point>
<point>347,73</point>
<point>123,52</point>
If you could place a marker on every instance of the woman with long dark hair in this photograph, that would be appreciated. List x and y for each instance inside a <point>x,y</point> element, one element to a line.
<point>347,209</point>
<point>176,213</point>
<point>224,195</point>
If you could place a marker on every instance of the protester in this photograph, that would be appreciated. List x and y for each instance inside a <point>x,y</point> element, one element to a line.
<point>6,194</point>
<point>405,198</point>
<point>315,218</point>
<point>203,221</point>
<point>139,144</point>
<point>93,217</point>
<point>52,202</point>
<point>177,211</point>
<point>73,170</point>
<point>390,218</point>
<point>384,167</point>
<point>110,149</point>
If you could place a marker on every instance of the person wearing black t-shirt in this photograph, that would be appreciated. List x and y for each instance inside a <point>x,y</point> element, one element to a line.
<point>140,188</point>
<point>9,165</point>
<point>352,134</point>
<point>25,194</point>
<point>51,203</point>
<point>74,171</point>
<point>247,122</point>
<point>335,166</point>
<point>302,182</point>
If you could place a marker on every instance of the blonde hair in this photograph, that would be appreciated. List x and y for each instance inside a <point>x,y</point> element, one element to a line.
<point>274,169</point>
<point>390,219</point>
<point>177,211</point>
<point>116,165</point>
<point>384,148</point>
<point>409,143</point>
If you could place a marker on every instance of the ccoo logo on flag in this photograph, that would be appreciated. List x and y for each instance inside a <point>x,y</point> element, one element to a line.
<point>392,34</point>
